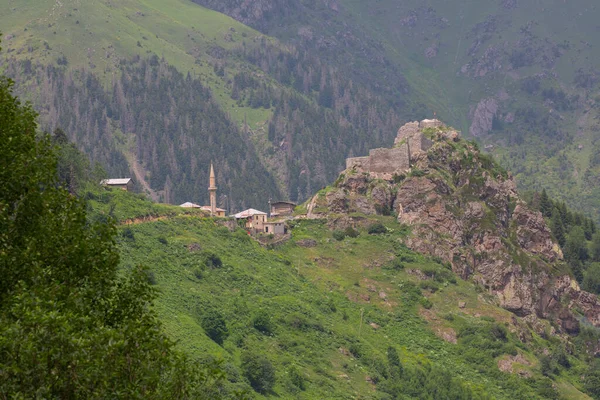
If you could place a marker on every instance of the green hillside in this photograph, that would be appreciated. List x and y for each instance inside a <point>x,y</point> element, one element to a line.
<point>97,35</point>
<point>325,312</point>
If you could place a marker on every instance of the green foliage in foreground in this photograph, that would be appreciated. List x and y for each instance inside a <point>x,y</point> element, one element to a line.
<point>71,326</point>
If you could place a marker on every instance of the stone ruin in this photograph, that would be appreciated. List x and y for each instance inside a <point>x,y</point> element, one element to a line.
<point>409,142</point>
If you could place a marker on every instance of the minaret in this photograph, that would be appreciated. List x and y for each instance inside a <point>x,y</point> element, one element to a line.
<point>212,191</point>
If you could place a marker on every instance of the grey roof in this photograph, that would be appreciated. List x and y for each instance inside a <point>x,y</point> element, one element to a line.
<point>249,213</point>
<point>187,204</point>
<point>119,181</point>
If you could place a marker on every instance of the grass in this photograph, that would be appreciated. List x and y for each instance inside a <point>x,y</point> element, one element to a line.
<point>97,34</point>
<point>322,301</point>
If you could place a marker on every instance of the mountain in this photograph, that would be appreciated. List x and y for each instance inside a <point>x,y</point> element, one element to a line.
<point>521,77</point>
<point>426,275</point>
<point>464,209</point>
<point>157,91</point>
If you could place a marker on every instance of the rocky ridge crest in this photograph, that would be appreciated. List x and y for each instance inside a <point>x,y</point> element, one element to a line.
<point>463,208</point>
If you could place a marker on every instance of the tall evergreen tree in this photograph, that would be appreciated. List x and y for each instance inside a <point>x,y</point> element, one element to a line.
<point>545,204</point>
<point>556,225</point>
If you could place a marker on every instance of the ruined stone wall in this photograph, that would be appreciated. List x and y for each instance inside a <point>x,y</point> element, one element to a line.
<point>387,161</point>
<point>362,162</point>
<point>410,141</point>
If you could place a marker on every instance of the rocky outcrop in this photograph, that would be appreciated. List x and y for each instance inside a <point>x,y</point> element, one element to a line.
<point>483,117</point>
<point>463,208</point>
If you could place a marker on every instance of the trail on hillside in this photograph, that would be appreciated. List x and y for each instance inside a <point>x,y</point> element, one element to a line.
<point>140,174</point>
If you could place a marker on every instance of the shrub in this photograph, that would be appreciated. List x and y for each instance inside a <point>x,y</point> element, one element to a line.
<point>163,240</point>
<point>356,350</point>
<point>198,273</point>
<point>214,325</point>
<point>262,322</point>
<point>259,371</point>
<point>426,303</point>
<point>128,234</point>
<point>296,378</point>
<point>211,260</point>
<point>150,277</point>
<point>351,232</point>
<point>338,235</point>
<point>377,229</point>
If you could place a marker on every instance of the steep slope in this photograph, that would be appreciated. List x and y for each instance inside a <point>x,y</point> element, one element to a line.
<point>463,208</point>
<point>175,85</point>
<point>520,76</point>
<point>337,317</point>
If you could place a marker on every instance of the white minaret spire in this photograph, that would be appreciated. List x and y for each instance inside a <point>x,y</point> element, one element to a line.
<point>212,190</point>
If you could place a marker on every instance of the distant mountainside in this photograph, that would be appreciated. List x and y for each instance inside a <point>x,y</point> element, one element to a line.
<point>158,90</point>
<point>319,81</point>
<point>520,76</point>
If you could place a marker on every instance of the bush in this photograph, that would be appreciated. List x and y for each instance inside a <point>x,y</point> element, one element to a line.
<point>211,260</point>
<point>262,322</point>
<point>356,350</point>
<point>296,378</point>
<point>259,371</point>
<point>214,325</point>
<point>128,234</point>
<point>426,303</point>
<point>150,277</point>
<point>351,232</point>
<point>339,235</point>
<point>163,240</point>
<point>377,229</point>
<point>198,273</point>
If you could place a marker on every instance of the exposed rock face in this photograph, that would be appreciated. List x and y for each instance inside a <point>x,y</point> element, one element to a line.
<point>465,209</point>
<point>483,117</point>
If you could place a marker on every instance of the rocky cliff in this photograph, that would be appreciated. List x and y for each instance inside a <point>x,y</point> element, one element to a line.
<point>463,208</point>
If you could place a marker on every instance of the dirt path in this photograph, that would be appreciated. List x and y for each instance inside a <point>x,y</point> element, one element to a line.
<point>140,175</point>
<point>141,220</point>
<point>310,207</point>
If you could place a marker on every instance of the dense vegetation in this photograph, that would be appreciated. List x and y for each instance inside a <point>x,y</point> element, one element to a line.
<point>72,325</point>
<point>578,237</point>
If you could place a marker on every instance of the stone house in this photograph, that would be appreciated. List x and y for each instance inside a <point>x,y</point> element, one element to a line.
<point>281,208</point>
<point>254,219</point>
<point>120,183</point>
<point>274,227</point>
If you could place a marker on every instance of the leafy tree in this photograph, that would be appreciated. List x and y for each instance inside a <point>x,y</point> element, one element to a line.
<point>70,326</point>
<point>214,325</point>
<point>259,371</point>
<point>262,322</point>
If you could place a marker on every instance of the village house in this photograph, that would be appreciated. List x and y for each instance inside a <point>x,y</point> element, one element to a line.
<point>187,204</point>
<point>217,212</point>
<point>275,227</point>
<point>121,183</point>
<point>282,208</point>
<point>255,219</point>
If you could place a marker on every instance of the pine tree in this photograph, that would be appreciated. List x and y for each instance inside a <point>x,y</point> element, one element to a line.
<point>545,204</point>
<point>556,225</point>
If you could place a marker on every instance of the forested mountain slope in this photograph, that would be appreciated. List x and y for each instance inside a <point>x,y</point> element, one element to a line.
<point>521,76</point>
<point>164,88</point>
